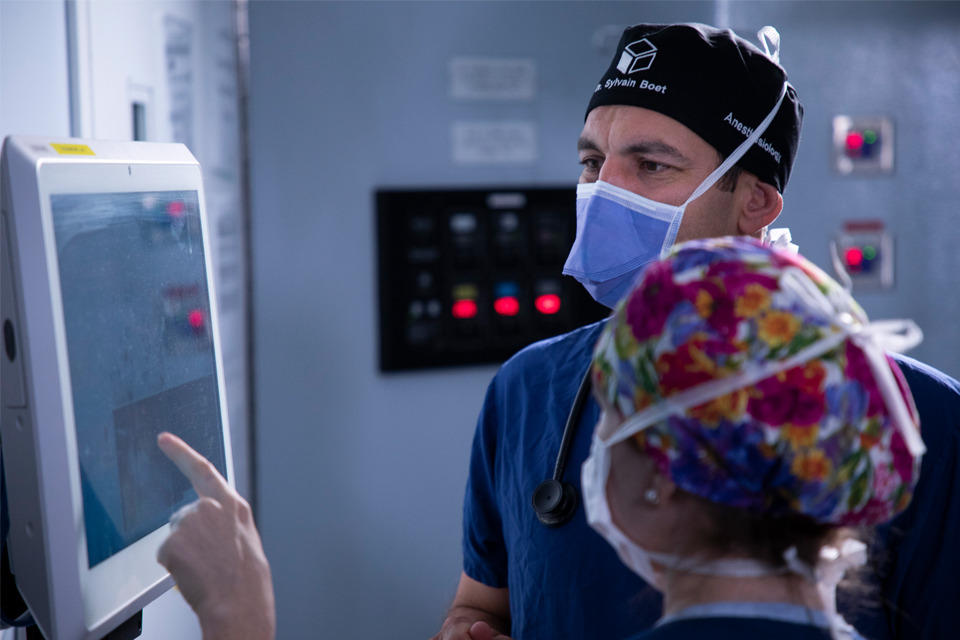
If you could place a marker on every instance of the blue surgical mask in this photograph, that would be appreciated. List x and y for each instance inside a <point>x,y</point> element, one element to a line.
<point>620,232</point>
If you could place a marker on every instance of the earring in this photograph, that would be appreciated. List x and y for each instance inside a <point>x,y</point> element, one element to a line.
<point>651,496</point>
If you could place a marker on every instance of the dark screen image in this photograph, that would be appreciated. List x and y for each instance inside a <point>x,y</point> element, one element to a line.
<point>137,317</point>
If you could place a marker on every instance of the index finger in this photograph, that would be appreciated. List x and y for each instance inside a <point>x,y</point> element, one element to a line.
<point>204,477</point>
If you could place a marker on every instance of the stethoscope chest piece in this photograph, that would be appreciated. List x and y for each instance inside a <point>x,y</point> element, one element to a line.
<point>554,502</point>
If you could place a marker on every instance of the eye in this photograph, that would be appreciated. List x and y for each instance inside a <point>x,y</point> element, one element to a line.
<point>591,167</point>
<point>591,163</point>
<point>649,166</point>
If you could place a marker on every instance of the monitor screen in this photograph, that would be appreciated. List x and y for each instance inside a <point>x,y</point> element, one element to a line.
<point>140,346</point>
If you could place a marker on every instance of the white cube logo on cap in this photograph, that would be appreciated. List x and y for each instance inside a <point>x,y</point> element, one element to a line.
<point>637,56</point>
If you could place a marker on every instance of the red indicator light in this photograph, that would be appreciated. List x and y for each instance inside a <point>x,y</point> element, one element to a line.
<point>854,257</point>
<point>507,306</point>
<point>196,319</point>
<point>175,209</point>
<point>547,304</point>
<point>464,309</point>
<point>854,142</point>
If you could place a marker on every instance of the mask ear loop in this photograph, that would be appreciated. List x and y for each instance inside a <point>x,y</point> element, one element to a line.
<point>770,40</point>
<point>833,564</point>
<point>725,166</point>
<point>740,151</point>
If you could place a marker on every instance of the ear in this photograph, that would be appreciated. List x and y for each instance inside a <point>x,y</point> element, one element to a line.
<point>664,486</point>
<point>759,204</point>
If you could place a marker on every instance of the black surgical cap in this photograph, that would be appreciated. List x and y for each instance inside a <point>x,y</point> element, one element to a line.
<point>712,81</point>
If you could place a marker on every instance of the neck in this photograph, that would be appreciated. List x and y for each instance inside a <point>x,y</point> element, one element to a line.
<point>684,589</point>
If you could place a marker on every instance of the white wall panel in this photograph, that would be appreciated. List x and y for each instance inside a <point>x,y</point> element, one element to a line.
<point>179,60</point>
<point>33,69</point>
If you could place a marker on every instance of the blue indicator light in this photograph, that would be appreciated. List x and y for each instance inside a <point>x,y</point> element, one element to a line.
<point>506,289</point>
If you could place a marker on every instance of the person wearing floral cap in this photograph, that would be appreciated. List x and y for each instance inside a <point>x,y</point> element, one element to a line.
<point>749,416</point>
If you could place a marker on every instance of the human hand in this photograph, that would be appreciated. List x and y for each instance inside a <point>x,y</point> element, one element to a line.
<point>215,555</point>
<point>462,630</point>
<point>476,603</point>
<point>480,630</point>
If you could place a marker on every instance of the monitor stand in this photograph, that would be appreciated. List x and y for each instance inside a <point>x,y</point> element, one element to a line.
<point>13,610</point>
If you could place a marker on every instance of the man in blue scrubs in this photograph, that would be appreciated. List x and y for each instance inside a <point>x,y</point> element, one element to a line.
<point>676,102</point>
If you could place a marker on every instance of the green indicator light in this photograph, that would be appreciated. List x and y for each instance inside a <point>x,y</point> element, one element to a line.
<point>870,136</point>
<point>869,253</point>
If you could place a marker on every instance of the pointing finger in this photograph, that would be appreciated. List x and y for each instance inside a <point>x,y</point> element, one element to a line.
<point>204,477</point>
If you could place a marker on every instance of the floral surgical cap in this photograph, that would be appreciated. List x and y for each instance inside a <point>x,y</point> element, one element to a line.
<point>816,437</point>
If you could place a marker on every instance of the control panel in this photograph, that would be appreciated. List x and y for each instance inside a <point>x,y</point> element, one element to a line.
<point>865,250</point>
<point>470,276</point>
<point>862,145</point>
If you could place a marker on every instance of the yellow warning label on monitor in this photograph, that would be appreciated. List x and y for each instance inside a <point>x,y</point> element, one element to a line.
<point>72,149</point>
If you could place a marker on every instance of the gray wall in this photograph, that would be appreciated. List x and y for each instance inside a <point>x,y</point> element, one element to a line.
<point>900,59</point>
<point>361,475</point>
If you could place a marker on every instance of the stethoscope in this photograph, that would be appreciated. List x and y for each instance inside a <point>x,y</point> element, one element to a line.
<point>554,500</point>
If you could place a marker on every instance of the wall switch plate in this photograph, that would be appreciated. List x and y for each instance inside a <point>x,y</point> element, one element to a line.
<point>865,250</point>
<point>863,145</point>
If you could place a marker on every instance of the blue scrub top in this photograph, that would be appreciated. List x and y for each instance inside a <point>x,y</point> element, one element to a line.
<point>568,582</point>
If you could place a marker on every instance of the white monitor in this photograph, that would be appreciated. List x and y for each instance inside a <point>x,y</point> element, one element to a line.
<point>109,337</point>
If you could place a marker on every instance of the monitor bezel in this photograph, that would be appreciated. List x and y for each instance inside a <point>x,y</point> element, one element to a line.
<point>123,583</point>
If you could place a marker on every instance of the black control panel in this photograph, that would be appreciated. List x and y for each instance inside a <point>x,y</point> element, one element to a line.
<point>470,276</point>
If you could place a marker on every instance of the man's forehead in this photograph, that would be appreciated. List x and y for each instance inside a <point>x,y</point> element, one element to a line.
<point>629,129</point>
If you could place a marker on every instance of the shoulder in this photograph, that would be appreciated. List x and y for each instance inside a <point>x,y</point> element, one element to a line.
<point>537,385</point>
<point>927,381</point>
<point>538,379</point>
<point>547,358</point>
<point>937,397</point>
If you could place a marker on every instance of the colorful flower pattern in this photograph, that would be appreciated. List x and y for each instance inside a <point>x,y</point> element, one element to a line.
<point>815,439</point>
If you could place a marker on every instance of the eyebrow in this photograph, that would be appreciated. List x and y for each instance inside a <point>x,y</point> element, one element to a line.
<point>586,144</point>
<point>655,147</point>
<point>644,147</point>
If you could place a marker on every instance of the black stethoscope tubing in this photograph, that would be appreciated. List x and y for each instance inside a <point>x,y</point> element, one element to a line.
<point>555,501</point>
